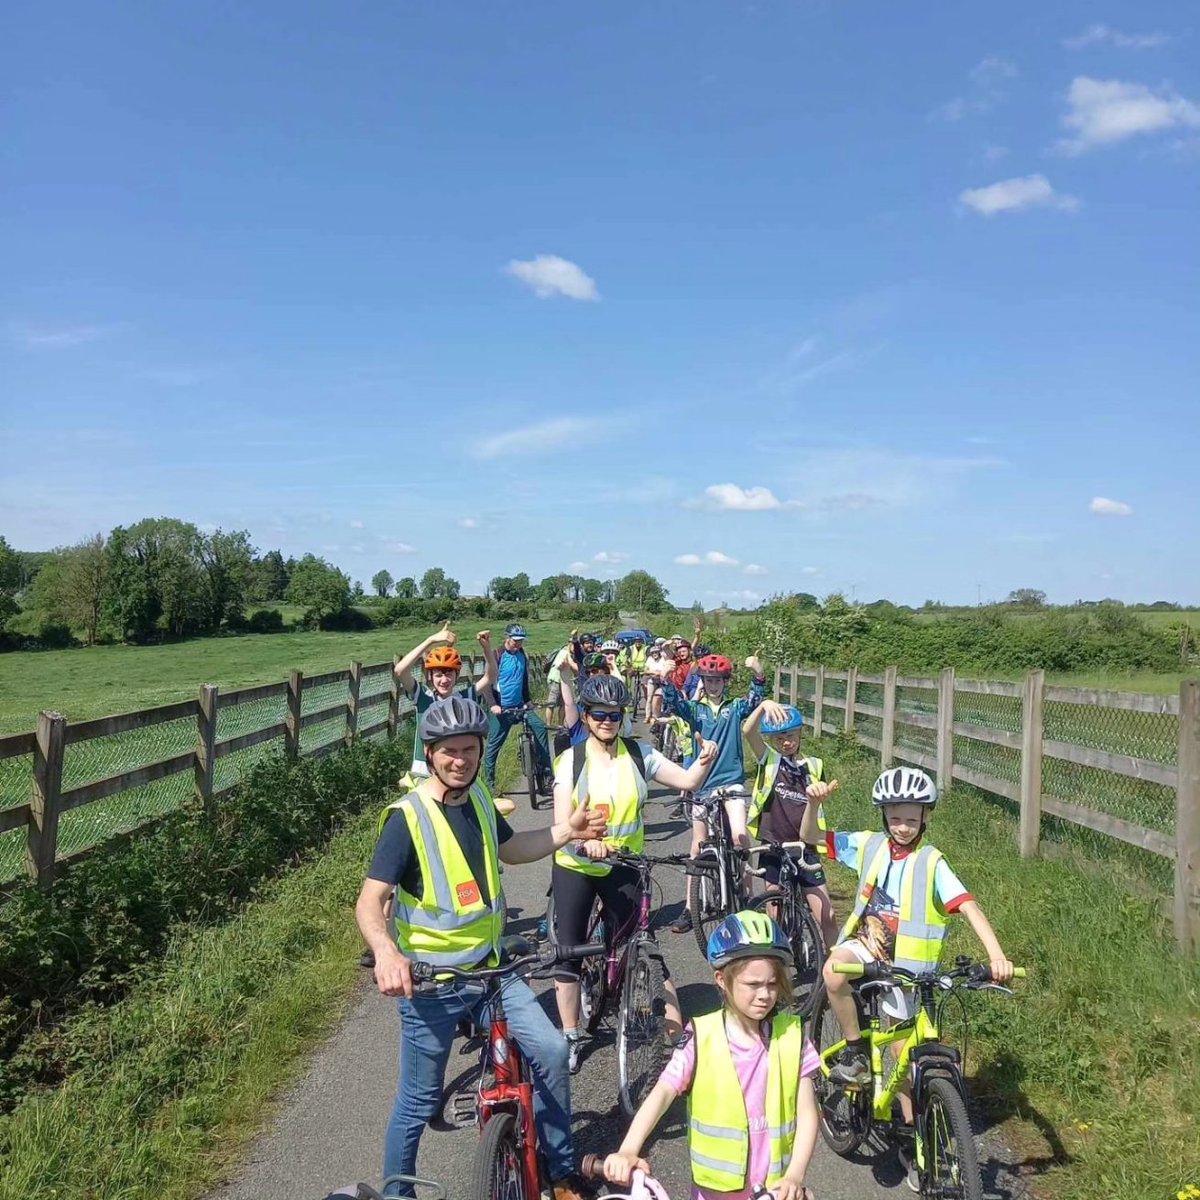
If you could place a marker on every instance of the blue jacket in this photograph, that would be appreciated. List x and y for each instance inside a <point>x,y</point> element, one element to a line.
<point>722,724</point>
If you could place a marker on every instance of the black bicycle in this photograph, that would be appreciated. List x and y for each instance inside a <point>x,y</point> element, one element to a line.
<point>786,903</point>
<point>717,875</point>
<point>527,748</point>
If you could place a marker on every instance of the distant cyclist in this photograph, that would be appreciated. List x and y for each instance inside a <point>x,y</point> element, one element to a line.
<point>512,691</point>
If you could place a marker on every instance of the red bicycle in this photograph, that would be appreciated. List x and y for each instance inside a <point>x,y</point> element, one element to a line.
<point>507,1166</point>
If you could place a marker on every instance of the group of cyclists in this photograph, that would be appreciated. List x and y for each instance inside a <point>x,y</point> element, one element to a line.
<point>434,894</point>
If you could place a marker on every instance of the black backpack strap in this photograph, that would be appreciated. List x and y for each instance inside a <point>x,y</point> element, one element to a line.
<point>578,758</point>
<point>639,759</point>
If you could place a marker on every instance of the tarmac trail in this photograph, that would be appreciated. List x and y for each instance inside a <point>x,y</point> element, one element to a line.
<point>328,1130</point>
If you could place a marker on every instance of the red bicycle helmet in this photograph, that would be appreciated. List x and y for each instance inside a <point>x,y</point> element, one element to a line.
<point>714,664</point>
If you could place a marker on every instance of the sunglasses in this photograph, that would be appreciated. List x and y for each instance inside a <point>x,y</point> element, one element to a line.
<point>599,715</point>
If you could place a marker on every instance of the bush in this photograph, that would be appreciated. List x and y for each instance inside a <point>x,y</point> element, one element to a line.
<point>265,620</point>
<point>348,620</point>
<point>113,913</point>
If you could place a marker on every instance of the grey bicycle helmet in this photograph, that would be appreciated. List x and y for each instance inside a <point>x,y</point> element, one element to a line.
<point>603,691</point>
<point>904,785</point>
<point>455,716</point>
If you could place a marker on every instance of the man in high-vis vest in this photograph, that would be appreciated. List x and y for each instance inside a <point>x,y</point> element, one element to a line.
<point>609,774</point>
<point>440,847</point>
<point>906,892</point>
<point>783,785</point>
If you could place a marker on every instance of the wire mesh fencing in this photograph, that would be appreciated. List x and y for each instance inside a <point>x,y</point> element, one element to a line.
<point>916,720</point>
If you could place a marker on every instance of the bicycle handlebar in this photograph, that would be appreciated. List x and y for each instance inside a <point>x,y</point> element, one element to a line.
<point>777,847</point>
<point>426,974</point>
<point>517,709</point>
<point>974,973</point>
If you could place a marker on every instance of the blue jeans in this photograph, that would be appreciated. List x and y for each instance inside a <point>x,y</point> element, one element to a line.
<point>427,1024</point>
<point>498,729</point>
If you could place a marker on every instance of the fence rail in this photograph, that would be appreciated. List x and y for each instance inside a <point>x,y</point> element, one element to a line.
<point>110,775</point>
<point>1123,766</point>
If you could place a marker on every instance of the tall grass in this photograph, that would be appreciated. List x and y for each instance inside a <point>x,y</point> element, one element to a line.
<point>1095,1063</point>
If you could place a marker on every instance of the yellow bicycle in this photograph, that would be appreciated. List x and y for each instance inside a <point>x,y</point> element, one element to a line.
<point>943,1145</point>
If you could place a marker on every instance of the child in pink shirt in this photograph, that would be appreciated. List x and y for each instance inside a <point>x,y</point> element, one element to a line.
<point>750,957</point>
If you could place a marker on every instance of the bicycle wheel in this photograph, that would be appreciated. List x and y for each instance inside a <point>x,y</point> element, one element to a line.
<point>808,954</point>
<point>498,1168</point>
<point>845,1115</point>
<point>529,767</point>
<point>670,743</point>
<point>641,1026</point>
<point>593,973</point>
<point>704,899</point>
<point>951,1163</point>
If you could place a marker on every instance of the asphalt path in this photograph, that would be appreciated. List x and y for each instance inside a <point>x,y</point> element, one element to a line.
<point>327,1131</point>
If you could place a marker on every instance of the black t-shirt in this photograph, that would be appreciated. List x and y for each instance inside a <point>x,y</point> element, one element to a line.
<point>780,821</point>
<point>396,861</point>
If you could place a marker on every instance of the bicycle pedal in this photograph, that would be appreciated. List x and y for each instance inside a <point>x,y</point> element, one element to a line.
<point>460,1112</point>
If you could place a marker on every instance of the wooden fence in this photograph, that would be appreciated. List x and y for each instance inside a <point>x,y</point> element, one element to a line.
<point>47,747</point>
<point>994,735</point>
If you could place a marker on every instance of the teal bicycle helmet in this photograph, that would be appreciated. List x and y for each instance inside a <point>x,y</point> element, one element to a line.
<point>747,934</point>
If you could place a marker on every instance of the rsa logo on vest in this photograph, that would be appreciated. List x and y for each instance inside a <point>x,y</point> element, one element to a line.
<point>468,893</point>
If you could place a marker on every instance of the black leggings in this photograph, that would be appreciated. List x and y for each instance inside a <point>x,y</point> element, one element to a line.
<point>574,893</point>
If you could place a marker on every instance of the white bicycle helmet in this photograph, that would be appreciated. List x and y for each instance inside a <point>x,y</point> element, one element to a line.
<point>610,644</point>
<point>904,785</point>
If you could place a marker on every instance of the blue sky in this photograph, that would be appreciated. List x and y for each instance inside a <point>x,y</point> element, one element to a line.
<point>894,299</point>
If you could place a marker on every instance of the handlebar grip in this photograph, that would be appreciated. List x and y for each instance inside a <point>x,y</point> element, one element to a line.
<point>592,1166</point>
<point>1019,972</point>
<point>853,969</point>
<point>586,950</point>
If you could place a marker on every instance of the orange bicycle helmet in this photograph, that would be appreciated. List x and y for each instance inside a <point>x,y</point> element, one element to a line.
<point>443,658</point>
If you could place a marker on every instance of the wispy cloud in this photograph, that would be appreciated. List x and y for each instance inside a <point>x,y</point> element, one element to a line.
<point>729,497</point>
<point>1102,112</point>
<point>711,558</point>
<point>609,556</point>
<point>810,571</point>
<point>536,438</point>
<point>62,337</point>
<point>396,547</point>
<point>1014,195</point>
<point>1110,508</point>
<point>1097,35</point>
<point>468,523</point>
<point>754,569</point>
<point>548,275</point>
<point>357,525</point>
<point>985,90</point>
<point>993,154</point>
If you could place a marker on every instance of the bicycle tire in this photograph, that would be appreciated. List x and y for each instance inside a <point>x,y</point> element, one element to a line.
<point>593,973</point>
<point>956,1172</point>
<point>641,1027</point>
<point>498,1169</point>
<point>846,1116</point>
<point>706,909</point>
<point>529,768</point>
<point>808,954</point>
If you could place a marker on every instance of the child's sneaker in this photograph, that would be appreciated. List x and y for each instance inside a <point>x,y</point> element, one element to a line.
<point>906,1151</point>
<point>851,1066</point>
<point>573,1048</point>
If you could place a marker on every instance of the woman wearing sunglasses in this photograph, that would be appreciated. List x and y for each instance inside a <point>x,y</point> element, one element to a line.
<point>609,773</point>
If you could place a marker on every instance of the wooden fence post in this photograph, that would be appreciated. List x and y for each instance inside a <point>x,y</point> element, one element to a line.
<point>945,729</point>
<point>819,702</point>
<point>851,698</point>
<point>1187,821</point>
<point>42,845</point>
<point>1031,764</point>
<point>206,739</point>
<point>794,685</point>
<point>291,737</point>
<point>887,736</point>
<point>352,701</point>
<point>393,717</point>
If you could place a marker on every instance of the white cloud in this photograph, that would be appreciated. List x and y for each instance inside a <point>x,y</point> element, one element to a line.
<point>1101,112</point>
<point>986,79</point>
<point>754,569</point>
<point>609,556</point>
<point>395,547</point>
<point>811,571</point>
<point>728,497</point>
<point>993,154</point>
<point>550,275</point>
<point>535,439</point>
<point>357,525</point>
<point>1095,35</point>
<point>746,597</point>
<point>468,523</point>
<point>579,566</point>
<point>711,558</point>
<point>1013,195</point>
<point>61,338</point>
<point>1110,508</point>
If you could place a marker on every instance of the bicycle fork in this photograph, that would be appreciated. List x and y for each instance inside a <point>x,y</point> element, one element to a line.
<point>509,1089</point>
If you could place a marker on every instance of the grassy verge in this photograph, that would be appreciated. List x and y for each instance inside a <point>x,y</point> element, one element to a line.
<point>1094,1066</point>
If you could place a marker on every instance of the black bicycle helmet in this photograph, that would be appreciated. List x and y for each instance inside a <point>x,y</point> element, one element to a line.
<point>455,716</point>
<point>603,691</point>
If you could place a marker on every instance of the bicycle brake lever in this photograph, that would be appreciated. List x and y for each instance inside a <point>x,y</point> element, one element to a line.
<point>991,987</point>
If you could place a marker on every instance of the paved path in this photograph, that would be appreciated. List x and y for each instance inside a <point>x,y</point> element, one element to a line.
<point>328,1129</point>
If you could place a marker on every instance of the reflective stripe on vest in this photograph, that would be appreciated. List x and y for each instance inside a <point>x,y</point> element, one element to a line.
<point>450,924</point>
<point>764,783</point>
<point>718,1127</point>
<point>922,925</point>
<point>626,829</point>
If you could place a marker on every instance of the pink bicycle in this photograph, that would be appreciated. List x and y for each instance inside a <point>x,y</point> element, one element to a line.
<point>644,1187</point>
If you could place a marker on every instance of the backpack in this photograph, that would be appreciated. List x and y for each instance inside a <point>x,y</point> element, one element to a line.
<point>579,752</point>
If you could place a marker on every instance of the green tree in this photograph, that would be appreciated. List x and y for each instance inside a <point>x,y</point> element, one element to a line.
<point>228,562</point>
<point>10,568</point>
<point>270,577</point>
<point>319,588</point>
<point>1026,598</point>
<point>406,588</point>
<point>640,591</point>
<point>437,585</point>
<point>157,579</point>
<point>382,582</point>
<point>501,587</point>
<point>594,591</point>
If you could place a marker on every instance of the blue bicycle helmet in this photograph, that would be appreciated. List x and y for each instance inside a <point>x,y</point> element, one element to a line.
<point>793,719</point>
<point>699,650</point>
<point>515,631</point>
<point>747,934</point>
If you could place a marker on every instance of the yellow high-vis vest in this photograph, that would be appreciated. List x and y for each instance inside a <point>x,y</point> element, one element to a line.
<point>922,925</point>
<point>764,782</point>
<point>450,924</point>
<point>626,828</point>
<point>718,1126</point>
